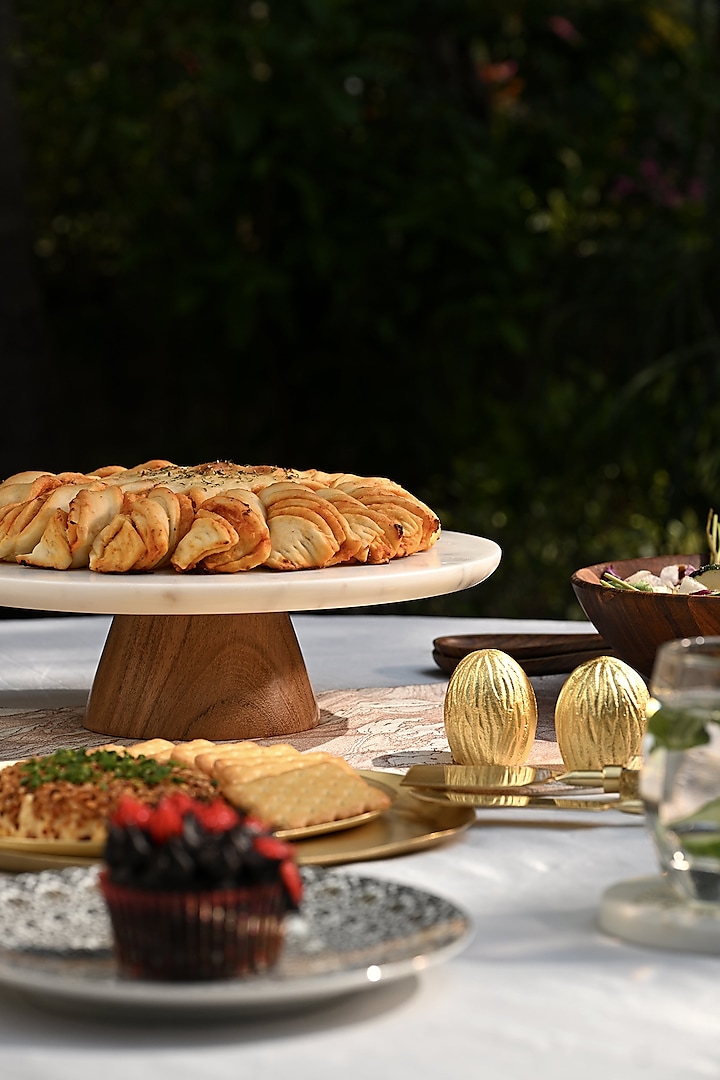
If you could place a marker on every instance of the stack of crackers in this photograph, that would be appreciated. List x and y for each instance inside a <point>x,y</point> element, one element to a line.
<point>278,784</point>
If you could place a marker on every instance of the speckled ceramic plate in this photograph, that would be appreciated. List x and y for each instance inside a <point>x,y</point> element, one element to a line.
<point>351,934</point>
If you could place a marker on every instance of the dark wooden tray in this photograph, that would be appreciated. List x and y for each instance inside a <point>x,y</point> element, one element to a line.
<point>537,654</point>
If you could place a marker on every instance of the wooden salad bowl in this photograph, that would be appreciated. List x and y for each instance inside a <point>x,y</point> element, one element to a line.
<point>634,624</point>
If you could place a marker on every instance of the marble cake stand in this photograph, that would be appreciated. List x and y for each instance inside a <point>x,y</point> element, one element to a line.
<point>215,656</point>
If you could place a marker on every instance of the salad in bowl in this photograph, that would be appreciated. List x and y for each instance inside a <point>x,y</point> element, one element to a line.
<point>678,577</point>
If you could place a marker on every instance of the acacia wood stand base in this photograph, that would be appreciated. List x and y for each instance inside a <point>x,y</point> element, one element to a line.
<point>219,677</point>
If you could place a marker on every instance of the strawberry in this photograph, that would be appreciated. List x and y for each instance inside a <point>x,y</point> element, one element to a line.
<point>165,821</point>
<point>217,816</point>
<point>254,824</point>
<point>292,880</point>
<point>272,848</point>
<point>182,802</point>
<point>131,811</point>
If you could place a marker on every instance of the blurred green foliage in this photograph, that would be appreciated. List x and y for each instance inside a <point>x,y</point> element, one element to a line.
<point>467,244</point>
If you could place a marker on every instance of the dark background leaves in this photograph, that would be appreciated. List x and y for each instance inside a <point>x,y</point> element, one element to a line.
<point>472,246</point>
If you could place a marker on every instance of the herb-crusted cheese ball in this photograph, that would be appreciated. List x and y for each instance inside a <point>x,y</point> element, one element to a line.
<point>70,795</point>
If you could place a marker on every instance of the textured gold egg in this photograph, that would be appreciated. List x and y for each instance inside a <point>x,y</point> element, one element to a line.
<point>600,715</point>
<point>490,710</point>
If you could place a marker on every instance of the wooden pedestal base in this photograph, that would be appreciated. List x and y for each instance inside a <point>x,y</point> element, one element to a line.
<point>220,677</point>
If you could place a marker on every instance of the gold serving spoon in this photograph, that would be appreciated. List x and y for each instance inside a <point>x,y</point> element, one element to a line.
<point>527,802</point>
<point>516,785</point>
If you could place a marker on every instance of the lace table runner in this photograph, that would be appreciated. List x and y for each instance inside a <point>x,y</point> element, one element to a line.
<point>382,728</point>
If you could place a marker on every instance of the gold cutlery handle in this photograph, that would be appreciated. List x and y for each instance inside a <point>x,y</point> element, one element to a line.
<point>612,779</point>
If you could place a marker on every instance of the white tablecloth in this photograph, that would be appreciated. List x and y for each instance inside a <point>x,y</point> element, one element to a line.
<point>539,991</point>
<point>55,658</point>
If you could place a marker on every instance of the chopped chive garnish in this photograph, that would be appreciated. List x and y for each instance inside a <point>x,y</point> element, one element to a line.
<point>83,766</point>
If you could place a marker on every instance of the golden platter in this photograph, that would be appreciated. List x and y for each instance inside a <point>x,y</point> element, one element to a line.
<point>84,849</point>
<point>407,825</point>
<point>306,831</point>
<point>26,861</point>
<point>92,849</point>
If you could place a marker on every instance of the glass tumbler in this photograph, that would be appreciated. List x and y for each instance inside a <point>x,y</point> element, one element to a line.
<point>680,774</point>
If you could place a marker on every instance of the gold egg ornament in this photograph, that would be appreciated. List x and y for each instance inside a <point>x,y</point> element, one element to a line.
<point>490,710</point>
<point>601,714</point>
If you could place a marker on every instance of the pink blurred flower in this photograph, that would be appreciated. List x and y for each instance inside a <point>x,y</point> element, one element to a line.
<point>696,190</point>
<point>659,186</point>
<point>623,186</point>
<point>650,169</point>
<point>501,72</point>
<point>564,29</point>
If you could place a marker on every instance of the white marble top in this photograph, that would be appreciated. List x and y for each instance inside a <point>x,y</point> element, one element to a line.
<point>456,561</point>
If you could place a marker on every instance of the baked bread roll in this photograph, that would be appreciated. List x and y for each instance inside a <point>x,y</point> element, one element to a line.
<point>216,517</point>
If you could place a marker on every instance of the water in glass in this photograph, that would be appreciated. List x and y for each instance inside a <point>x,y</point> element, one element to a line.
<point>680,776</point>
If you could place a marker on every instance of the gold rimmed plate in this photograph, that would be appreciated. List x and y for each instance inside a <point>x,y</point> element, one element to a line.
<point>86,849</point>
<point>92,849</point>
<point>341,824</point>
<point>407,825</point>
<point>89,849</point>
<point>20,862</point>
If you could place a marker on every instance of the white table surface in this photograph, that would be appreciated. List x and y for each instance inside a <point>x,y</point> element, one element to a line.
<point>540,991</point>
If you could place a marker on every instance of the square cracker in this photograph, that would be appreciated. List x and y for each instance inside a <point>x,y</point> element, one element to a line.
<point>241,752</point>
<point>318,794</point>
<point>238,770</point>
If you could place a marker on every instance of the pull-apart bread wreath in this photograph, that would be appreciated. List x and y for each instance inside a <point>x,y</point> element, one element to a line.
<point>217,517</point>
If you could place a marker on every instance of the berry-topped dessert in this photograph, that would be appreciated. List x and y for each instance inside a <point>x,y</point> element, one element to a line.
<point>196,890</point>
